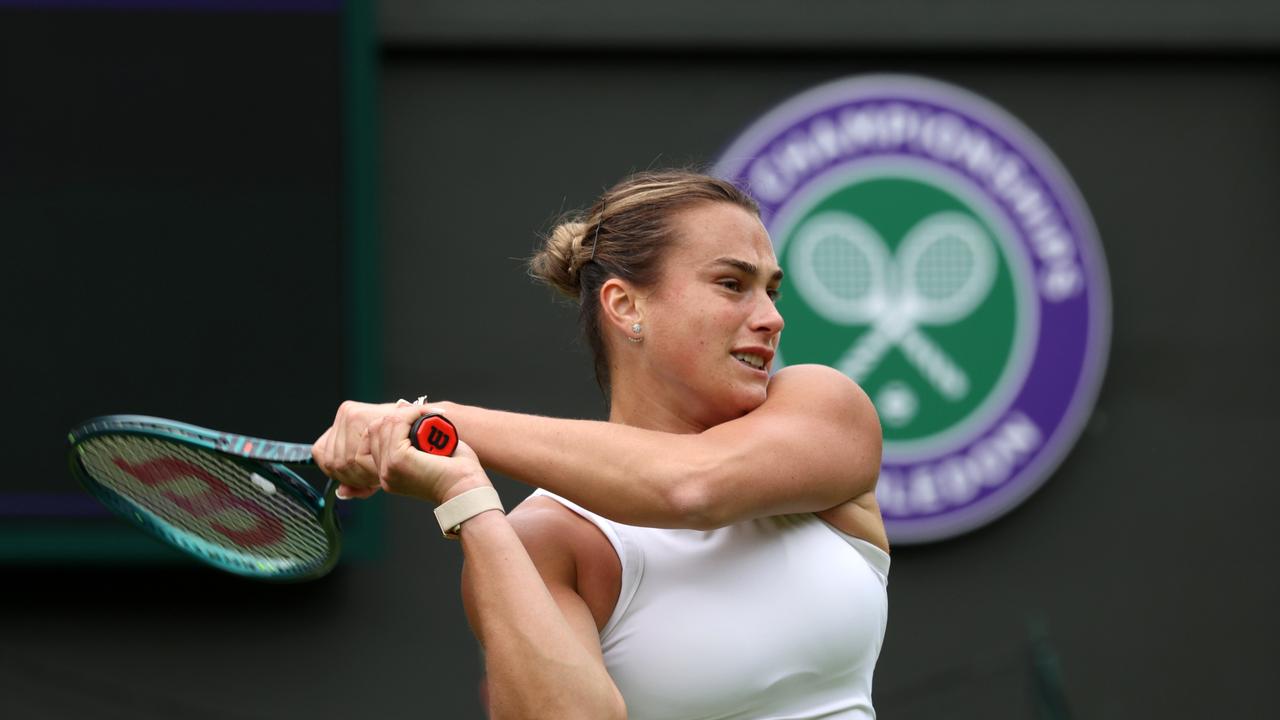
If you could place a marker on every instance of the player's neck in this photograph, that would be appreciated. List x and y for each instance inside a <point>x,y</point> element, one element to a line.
<point>634,403</point>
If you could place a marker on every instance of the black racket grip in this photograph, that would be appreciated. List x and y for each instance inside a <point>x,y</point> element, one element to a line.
<point>434,434</point>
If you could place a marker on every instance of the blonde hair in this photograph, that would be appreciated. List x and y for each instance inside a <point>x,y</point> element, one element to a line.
<point>623,234</point>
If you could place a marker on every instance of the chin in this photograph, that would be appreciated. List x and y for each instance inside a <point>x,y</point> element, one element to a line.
<point>749,398</point>
<point>723,407</point>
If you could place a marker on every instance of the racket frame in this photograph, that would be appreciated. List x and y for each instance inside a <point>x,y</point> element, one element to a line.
<point>267,458</point>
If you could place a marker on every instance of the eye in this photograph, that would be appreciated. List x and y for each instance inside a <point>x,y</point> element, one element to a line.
<point>730,284</point>
<point>774,294</point>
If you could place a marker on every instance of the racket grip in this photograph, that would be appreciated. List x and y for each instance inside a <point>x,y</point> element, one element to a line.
<point>434,434</point>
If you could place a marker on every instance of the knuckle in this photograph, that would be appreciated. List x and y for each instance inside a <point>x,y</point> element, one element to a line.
<point>348,408</point>
<point>395,465</point>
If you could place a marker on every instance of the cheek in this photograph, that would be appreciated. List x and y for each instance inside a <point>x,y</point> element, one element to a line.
<point>690,346</point>
<point>697,330</point>
<point>705,346</point>
<point>687,339</point>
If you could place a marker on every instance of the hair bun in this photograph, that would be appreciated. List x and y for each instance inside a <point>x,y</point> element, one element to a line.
<point>558,262</point>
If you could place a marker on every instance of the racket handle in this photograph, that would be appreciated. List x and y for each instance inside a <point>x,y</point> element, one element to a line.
<point>434,434</point>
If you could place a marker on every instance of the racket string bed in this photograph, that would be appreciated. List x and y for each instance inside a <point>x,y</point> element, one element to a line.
<point>944,269</point>
<point>205,495</point>
<point>843,268</point>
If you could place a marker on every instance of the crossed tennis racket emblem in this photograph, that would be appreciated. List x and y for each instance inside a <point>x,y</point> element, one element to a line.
<point>941,272</point>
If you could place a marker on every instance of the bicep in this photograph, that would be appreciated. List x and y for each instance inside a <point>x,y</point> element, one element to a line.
<point>578,615</point>
<point>813,444</point>
<point>548,539</point>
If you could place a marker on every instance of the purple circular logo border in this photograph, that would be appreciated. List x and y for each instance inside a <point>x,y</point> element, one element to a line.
<point>1070,352</point>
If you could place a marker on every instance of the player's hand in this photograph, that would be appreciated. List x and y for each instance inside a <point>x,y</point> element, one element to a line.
<point>406,470</point>
<point>342,452</point>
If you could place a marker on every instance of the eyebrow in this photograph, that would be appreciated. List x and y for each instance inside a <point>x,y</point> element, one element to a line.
<point>746,267</point>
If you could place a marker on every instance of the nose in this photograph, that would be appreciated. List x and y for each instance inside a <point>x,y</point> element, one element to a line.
<point>766,318</point>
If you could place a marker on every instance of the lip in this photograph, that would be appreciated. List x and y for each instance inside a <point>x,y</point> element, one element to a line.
<point>760,350</point>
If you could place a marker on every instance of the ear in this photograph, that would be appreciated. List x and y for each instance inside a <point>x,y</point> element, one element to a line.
<point>620,306</point>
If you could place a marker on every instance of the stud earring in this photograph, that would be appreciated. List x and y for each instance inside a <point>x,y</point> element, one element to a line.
<point>637,329</point>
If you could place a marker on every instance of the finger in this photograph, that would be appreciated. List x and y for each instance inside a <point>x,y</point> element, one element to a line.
<point>362,448</point>
<point>373,439</point>
<point>369,469</point>
<point>319,449</point>
<point>387,440</point>
<point>337,440</point>
<point>395,440</point>
<point>464,451</point>
<point>357,434</point>
<point>405,418</point>
<point>342,438</point>
<point>349,445</point>
<point>332,456</point>
<point>346,492</point>
<point>411,415</point>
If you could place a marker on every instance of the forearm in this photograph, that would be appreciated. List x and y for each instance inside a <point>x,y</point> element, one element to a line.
<point>812,445</point>
<point>628,474</point>
<point>535,665</point>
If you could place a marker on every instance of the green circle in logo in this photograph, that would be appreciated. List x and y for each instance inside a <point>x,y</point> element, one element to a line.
<point>937,253</point>
<point>906,287</point>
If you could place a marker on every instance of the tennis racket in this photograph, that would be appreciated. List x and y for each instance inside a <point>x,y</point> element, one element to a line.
<point>226,499</point>
<point>941,272</point>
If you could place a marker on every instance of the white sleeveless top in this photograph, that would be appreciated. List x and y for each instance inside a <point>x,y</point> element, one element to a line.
<point>778,618</point>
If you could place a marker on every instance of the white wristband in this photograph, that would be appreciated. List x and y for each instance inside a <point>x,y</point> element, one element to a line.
<point>462,508</point>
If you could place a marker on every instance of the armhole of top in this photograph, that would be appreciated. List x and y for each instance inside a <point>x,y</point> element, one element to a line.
<point>877,558</point>
<point>629,555</point>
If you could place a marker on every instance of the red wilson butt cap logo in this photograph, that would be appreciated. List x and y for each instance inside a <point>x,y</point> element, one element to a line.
<point>434,434</point>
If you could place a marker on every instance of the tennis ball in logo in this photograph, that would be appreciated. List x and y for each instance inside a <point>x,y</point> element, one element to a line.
<point>919,308</point>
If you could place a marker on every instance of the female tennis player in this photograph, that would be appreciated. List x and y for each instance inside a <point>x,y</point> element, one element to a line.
<point>715,549</point>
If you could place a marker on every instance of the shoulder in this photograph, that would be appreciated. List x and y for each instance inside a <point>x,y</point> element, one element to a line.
<point>549,529</point>
<point>570,551</point>
<point>819,388</point>
<point>817,376</point>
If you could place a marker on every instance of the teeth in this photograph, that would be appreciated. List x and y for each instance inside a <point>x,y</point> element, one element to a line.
<point>754,361</point>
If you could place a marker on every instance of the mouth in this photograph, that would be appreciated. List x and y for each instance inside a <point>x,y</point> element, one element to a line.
<point>752,359</point>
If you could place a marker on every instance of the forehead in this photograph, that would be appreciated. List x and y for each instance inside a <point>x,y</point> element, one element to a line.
<point>713,230</point>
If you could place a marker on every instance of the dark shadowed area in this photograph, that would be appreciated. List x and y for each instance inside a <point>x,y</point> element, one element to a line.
<point>1137,583</point>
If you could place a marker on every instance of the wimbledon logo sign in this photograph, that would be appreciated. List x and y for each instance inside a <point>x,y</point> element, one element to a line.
<point>937,253</point>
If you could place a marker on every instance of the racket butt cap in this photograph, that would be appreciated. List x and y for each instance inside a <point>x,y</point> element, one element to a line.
<point>434,434</point>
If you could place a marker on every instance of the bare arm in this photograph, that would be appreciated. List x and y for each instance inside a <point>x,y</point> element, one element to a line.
<point>541,645</point>
<point>542,650</point>
<point>813,444</point>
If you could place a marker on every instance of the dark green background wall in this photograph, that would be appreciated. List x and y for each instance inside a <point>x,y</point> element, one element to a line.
<point>1141,556</point>
<point>1147,559</point>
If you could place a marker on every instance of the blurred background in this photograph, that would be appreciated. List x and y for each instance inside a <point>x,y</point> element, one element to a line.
<point>239,213</point>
